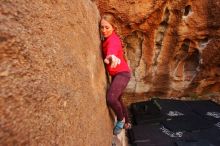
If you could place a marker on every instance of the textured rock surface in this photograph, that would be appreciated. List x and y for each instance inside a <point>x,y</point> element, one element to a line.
<point>52,79</point>
<point>171,46</point>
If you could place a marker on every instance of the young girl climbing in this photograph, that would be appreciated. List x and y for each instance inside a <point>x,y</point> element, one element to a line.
<point>118,70</point>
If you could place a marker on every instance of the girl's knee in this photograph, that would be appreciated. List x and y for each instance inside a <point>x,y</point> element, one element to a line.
<point>111,101</point>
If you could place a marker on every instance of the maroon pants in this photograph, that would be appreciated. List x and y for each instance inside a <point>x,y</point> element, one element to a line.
<point>118,84</point>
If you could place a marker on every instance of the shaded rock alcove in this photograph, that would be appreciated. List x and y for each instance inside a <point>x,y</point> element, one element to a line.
<point>171,46</point>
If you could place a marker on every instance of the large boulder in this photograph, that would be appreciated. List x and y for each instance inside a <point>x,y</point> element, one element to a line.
<point>52,77</point>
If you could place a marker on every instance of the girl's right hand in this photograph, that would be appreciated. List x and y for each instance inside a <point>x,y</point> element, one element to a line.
<point>113,60</point>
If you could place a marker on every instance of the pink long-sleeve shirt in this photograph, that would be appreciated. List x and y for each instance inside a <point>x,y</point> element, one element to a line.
<point>112,46</point>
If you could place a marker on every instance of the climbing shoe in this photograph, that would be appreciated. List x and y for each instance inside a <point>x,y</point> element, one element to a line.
<point>118,127</point>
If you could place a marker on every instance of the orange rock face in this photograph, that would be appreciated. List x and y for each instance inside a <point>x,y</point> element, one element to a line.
<point>172,46</point>
<point>52,77</point>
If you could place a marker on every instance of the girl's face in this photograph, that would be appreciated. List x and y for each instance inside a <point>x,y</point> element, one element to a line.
<point>106,28</point>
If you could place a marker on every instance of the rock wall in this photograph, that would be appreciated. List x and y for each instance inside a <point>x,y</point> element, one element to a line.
<point>172,46</point>
<point>52,78</point>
